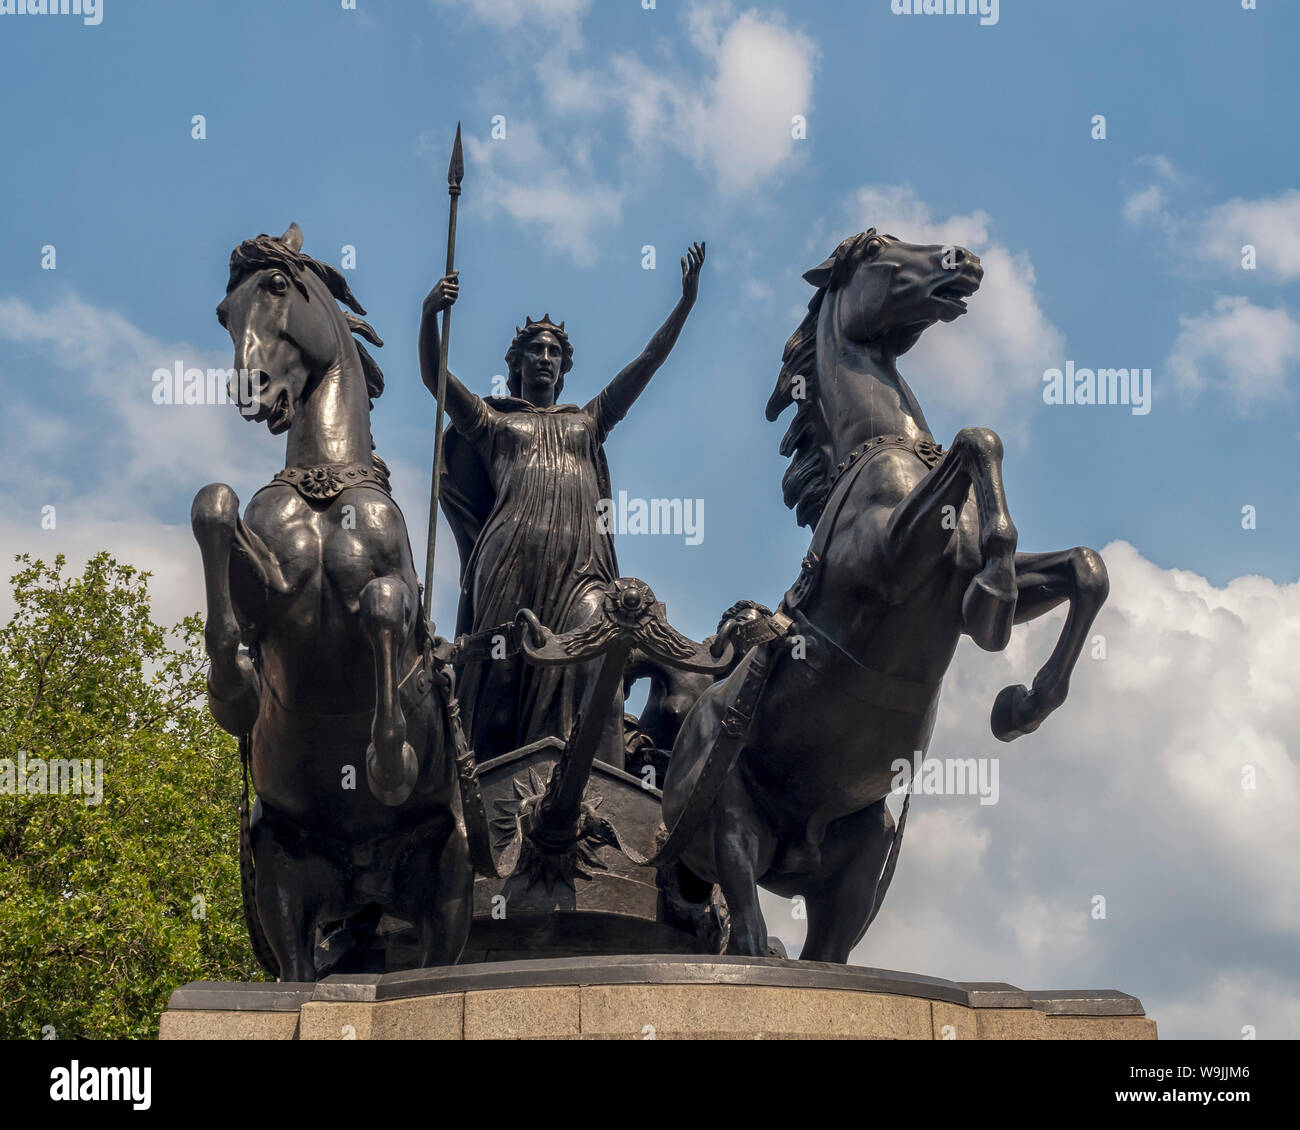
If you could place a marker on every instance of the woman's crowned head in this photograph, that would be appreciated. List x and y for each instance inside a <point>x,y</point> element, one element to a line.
<point>543,348</point>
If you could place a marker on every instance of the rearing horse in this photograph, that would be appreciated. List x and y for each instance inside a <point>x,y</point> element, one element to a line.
<point>318,583</point>
<point>912,548</point>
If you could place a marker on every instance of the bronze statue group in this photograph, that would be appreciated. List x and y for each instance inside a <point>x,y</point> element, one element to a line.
<point>776,736</point>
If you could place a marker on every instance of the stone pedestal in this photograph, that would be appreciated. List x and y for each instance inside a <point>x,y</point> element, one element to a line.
<point>668,996</point>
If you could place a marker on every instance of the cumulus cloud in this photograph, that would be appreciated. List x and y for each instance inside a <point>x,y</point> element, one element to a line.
<point>552,189</point>
<point>1132,791</point>
<point>987,367</point>
<point>1216,235</point>
<point>548,17</point>
<point>733,115</point>
<point>1269,224</point>
<point>736,120</point>
<point>1251,349</point>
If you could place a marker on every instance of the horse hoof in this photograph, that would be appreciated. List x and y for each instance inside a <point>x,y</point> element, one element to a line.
<point>397,788</point>
<point>1008,717</point>
<point>988,614</point>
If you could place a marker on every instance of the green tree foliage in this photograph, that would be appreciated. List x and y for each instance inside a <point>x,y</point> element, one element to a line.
<point>105,908</point>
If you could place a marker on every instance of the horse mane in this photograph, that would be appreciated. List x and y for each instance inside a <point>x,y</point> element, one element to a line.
<point>273,251</point>
<point>807,480</point>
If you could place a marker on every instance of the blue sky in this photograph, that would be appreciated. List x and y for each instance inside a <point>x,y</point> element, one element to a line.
<point>627,127</point>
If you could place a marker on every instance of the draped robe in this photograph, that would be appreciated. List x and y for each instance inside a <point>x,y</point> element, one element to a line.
<point>520,491</point>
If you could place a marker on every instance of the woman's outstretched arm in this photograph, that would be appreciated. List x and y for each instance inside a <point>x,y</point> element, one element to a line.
<point>614,400</point>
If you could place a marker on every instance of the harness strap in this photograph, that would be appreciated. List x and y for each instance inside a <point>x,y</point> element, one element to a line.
<point>473,808</point>
<point>846,473</point>
<point>887,692</point>
<point>730,739</point>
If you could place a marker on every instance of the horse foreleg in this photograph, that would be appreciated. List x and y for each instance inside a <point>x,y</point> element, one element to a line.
<point>1045,580</point>
<point>233,687</point>
<point>739,846</point>
<point>391,764</point>
<point>922,525</point>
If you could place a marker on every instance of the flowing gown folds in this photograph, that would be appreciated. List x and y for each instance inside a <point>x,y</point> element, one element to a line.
<point>521,489</point>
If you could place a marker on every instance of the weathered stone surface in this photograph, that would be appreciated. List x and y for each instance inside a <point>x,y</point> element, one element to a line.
<point>417,1018</point>
<point>523,1014</point>
<point>201,1024</point>
<point>1010,1024</point>
<point>953,1022</point>
<point>748,1012</point>
<point>1100,1028</point>
<point>650,997</point>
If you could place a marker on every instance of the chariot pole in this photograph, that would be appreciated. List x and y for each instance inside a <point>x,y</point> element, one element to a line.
<point>455,173</point>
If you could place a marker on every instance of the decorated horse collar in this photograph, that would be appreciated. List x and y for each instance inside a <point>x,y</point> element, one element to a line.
<point>926,450</point>
<point>326,481</point>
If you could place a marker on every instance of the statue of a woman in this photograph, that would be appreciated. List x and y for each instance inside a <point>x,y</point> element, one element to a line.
<point>523,481</point>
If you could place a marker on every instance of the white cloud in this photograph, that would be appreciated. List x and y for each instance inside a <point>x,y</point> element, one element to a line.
<point>1133,791</point>
<point>1217,235</point>
<point>987,367</point>
<point>1148,203</point>
<point>736,122</point>
<point>547,188</point>
<point>546,17</point>
<point>1253,349</point>
<point>1269,224</point>
<point>732,116</point>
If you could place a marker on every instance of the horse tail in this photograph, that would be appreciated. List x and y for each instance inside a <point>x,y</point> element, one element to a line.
<point>891,861</point>
<point>248,874</point>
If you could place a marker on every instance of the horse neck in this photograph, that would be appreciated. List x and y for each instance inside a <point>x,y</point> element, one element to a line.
<point>333,425</point>
<point>863,394</point>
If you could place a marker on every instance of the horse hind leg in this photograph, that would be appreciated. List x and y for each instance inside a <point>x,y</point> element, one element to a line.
<point>840,904</point>
<point>743,852</point>
<point>391,764</point>
<point>233,685</point>
<point>1045,580</point>
<point>291,887</point>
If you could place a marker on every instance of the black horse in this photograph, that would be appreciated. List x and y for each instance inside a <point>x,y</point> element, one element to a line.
<point>338,670</point>
<point>913,547</point>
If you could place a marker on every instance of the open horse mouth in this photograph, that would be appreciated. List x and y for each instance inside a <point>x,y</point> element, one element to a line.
<point>280,416</point>
<point>956,290</point>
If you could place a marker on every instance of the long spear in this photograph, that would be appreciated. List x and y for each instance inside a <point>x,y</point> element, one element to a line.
<point>455,173</point>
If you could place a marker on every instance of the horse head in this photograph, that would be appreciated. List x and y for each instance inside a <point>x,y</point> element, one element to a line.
<point>886,292</point>
<point>287,329</point>
<point>875,296</point>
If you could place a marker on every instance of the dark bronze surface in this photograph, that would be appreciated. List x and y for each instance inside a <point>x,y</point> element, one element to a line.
<point>320,660</point>
<point>524,478</point>
<point>776,774</point>
<point>885,592</point>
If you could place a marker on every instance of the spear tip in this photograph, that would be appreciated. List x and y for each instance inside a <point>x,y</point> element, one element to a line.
<point>456,170</point>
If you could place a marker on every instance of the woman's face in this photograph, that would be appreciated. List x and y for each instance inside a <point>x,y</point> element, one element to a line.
<point>539,368</point>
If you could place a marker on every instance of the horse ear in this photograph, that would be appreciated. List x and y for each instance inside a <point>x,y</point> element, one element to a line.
<point>292,239</point>
<point>820,276</point>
